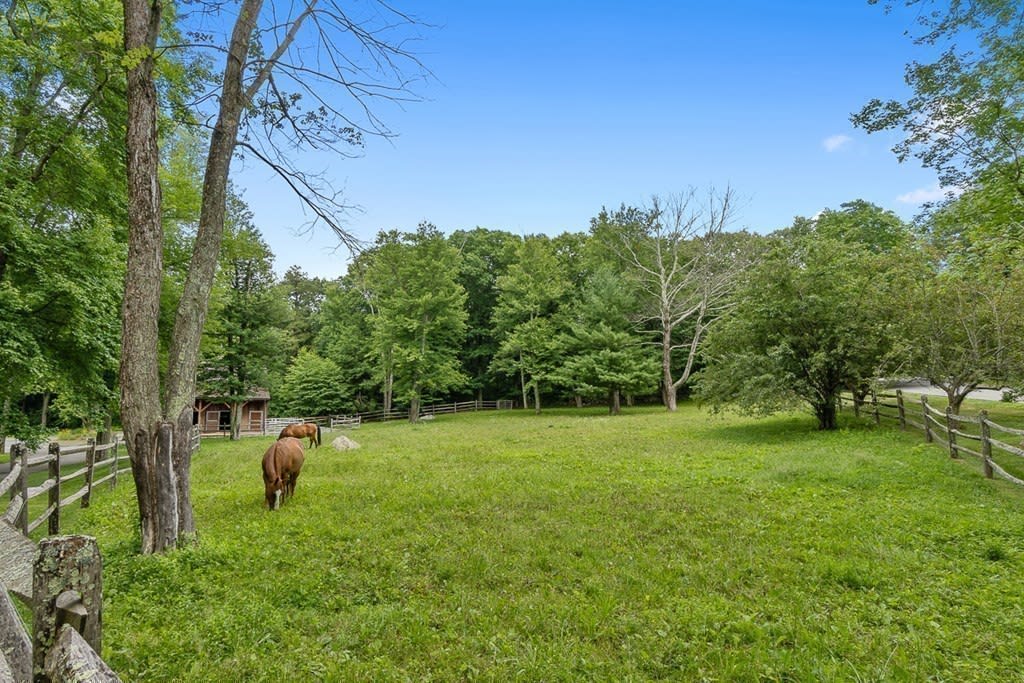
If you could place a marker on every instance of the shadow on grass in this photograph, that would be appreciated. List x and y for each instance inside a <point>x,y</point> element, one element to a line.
<point>781,429</point>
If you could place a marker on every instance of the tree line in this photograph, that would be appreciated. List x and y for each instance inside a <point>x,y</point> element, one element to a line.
<point>659,299</point>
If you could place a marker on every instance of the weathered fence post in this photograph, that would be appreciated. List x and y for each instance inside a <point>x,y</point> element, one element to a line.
<point>901,409</point>
<point>927,425</point>
<point>15,644</point>
<point>874,407</point>
<point>53,472</point>
<point>21,487</point>
<point>68,571</point>
<point>90,466</point>
<point>986,443</point>
<point>951,433</point>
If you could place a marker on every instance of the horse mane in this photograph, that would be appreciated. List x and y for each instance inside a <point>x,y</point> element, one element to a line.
<point>270,463</point>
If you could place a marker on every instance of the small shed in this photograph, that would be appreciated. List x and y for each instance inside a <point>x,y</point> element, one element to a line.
<point>213,415</point>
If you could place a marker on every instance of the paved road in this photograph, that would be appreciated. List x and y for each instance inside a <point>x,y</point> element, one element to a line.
<point>74,459</point>
<point>932,390</point>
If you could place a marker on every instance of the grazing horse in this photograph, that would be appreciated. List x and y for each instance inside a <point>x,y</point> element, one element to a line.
<point>281,466</point>
<point>303,430</point>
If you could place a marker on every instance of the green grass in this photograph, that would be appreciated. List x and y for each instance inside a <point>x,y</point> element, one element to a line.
<point>577,546</point>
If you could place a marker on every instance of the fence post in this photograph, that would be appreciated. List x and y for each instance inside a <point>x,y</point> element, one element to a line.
<point>951,433</point>
<point>901,409</point>
<point>67,587</point>
<point>54,498</point>
<point>14,461</point>
<point>927,424</point>
<point>986,443</point>
<point>21,487</point>
<point>874,407</point>
<point>15,645</point>
<point>90,462</point>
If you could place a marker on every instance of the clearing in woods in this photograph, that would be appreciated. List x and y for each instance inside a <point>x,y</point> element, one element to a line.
<point>577,546</point>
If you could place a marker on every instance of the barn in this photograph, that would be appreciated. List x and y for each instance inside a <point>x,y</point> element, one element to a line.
<point>213,415</point>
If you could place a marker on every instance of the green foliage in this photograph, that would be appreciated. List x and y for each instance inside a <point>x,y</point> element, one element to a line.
<point>485,256</point>
<point>684,268</point>
<point>526,316</point>
<point>604,357</point>
<point>312,386</point>
<point>573,546</point>
<point>861,223</point>
<point>982,230</point>
<point>344,337</point>
<point>810,321</point>
<point>306,296</point>
<point>419,317</point>
<point>966,114</point>
<point>245,344</point>
<point>60,258</point>
<point>961,330</point>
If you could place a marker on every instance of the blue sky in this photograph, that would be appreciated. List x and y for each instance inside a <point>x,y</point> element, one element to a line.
<point>543,112</point>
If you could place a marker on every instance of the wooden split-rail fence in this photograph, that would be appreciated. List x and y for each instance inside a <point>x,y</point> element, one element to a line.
<point>356,419</point>
<point>60,578</point>
<point>974,435</point>
<point>276,424</point>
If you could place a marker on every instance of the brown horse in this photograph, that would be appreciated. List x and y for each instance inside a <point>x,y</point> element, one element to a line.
<point>281,466</point>
<point>308,430</point>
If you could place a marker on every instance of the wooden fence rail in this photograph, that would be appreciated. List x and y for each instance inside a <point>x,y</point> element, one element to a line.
<point>959,434</point>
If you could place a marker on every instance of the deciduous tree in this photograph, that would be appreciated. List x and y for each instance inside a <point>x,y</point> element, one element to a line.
<point>810,321</point>
<point>245,343</point>
<point>526,316</point>
<point>686,269</point>
<point>419,317</point>
<point>604,354</point>
<point>965,116</point>
<point>60,273</point>
<point>277,58</point>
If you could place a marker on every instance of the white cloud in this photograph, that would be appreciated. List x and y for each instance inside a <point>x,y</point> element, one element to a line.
<point>928,194</point>
<point>836,142</point>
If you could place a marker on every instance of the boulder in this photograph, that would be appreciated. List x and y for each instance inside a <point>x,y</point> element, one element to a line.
<point>343,443</point>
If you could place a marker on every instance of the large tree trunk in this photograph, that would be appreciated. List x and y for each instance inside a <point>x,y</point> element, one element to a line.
<point>956,395</point>
<point>46,409</point>
<point>668,387</point>
<point>414,408</point>
<point>825,411</point>
<point>522,383</point>
<point>236,420</point>
<point>536,397</point>
<point>158,435</point>
<point>389,381</point>
<point>183,357</point>
<point>140,380</point>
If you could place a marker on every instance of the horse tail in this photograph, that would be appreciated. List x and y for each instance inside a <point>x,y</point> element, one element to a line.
<point>318,435</point>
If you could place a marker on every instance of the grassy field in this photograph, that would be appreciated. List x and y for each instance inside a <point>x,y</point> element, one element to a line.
<point>578,546</point>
